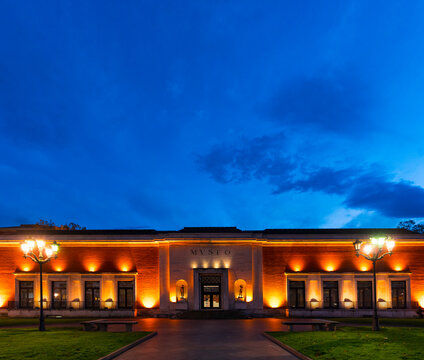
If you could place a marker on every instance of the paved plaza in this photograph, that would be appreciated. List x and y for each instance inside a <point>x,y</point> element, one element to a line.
<point>208,339</point>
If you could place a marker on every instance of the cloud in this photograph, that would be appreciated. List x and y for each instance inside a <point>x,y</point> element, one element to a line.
<point>400,199</point>
<point>337,102</point>
<point>268,159</point>
<point>256,158</point>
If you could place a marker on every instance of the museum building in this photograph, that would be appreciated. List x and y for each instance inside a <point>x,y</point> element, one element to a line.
<point>297,272</point>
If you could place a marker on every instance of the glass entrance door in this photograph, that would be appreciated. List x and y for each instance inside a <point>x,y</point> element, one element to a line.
<point>210,291</point>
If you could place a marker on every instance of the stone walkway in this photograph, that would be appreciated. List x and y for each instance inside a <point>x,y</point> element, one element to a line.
<point>208,339</point>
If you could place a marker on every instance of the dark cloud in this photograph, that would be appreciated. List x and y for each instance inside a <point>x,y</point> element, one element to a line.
<point>323,179</point>
<point>400,199</point>
<point>338,102</point>
<point>365,188</point>
<point>258,158</point>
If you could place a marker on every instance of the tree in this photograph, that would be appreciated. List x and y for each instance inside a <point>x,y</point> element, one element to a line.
<point>411,225</point>
<point>51,225</point>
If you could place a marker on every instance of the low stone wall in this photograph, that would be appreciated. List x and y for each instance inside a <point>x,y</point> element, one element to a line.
<point>74,313</point>
<point>318,313</point>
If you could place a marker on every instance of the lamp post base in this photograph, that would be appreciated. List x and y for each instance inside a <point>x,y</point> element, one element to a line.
<point>41,327</point>
<point>375,324</point>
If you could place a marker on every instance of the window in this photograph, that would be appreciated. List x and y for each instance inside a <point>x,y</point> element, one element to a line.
<point>297,294</point>
<point>398,294</point>
<point>331,294</point>
<point>59,294</point>
<point>125,294</point>
<point>26,294</point>
<point>92,295</point>
<point>364,294</point>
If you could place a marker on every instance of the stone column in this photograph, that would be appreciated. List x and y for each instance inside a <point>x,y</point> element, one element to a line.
<point>164,277</point>
<point>257,277</point>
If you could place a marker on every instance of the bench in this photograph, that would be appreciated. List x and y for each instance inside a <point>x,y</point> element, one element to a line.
<point>317,324</point>
<point>54,316</point>
<point>102,325</point>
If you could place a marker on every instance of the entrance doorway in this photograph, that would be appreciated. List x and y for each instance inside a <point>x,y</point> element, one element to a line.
<point>210,286</point>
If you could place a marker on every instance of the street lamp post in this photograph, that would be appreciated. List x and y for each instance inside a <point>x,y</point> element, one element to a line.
<point>39,252</point>
<point>374,249</point>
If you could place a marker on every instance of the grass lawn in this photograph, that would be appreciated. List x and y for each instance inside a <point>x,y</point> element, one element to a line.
<point>357,343</point>
<point>6,321</point>
<point>61,343</point>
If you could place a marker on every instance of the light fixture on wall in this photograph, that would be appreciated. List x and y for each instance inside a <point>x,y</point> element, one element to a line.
<point>109,304</point>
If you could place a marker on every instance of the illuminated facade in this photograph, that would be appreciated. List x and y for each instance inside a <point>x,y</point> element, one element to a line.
<point>311,272</point>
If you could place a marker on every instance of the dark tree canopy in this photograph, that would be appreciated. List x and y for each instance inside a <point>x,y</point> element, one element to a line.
<point>52,225</point>
<point>411,225</point>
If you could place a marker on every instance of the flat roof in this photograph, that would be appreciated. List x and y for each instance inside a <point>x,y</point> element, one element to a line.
<point>206,233</point>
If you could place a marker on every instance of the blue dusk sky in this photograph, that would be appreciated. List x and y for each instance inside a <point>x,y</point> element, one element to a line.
<point>255,114</point>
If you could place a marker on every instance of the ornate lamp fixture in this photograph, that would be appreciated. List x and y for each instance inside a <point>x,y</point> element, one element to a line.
<point>374,249</point>
<point>40,252</point>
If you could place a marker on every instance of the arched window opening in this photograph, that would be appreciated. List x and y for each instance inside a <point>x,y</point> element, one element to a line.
<point>240,290</point>
<point>181,290</point>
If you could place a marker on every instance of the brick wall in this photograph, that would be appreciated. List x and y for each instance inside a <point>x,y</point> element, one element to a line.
<point>313,258</point>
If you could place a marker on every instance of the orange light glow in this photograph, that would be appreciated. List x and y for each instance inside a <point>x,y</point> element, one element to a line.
<point>124,268</point>
<point>26,268</point>
<point>314,303</point>
<point>275,302</point>
<point>364,268</point>
<point>109,303</point>
<point>398,268</point>
<point>249,298</point>
<point>227,265</point>
<point>330,263</point>
<point>92,267</point>
<point>421,301</point>
<point>58,269</point>
<point>172,295</point>
<point>297,265</point>
<point>2,301</point>
<point>148,302</point>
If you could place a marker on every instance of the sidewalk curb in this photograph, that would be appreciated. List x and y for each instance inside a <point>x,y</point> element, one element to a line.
<point>294,352</point>
<point>120,351</point>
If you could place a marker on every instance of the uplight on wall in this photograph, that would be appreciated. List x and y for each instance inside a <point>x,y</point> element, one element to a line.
<point>275,302</point>
<point>297,265</point>
<point>314,303</point>
<point>109,303</point>
<point>148,302</point>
